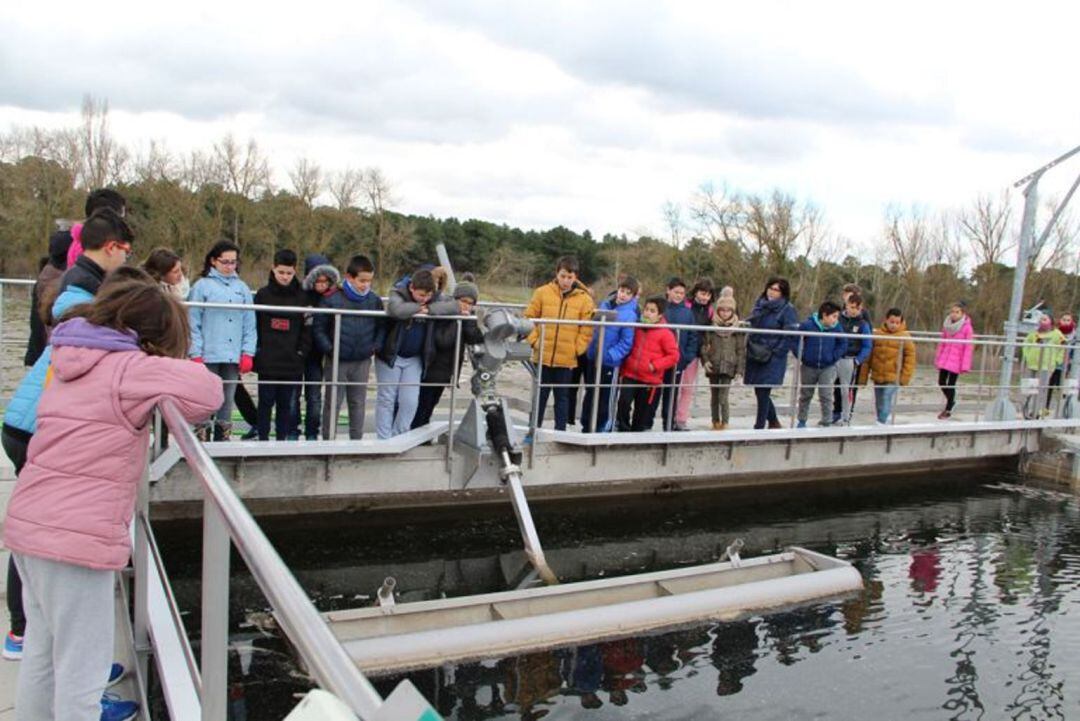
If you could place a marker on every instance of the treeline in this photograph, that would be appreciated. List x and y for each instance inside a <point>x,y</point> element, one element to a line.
<point>922,262</point>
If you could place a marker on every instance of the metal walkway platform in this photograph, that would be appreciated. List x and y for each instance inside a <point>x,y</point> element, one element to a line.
<point>567,465</point>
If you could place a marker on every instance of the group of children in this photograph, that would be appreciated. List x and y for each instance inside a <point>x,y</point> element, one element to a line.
<point>113,345</point>
<point>655,367</point>
<point>293,349</point>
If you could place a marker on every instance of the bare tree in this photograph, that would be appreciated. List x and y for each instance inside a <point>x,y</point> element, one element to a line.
<point>244,170</point>
<point>104,161</point>
<point>985,225</point>
<point>719,214</point>
<point>307,180</point>
<point>908,237</point>
<point>345,187</point>
<point>778,224</point>
<point>1058,245</point>
<point>198,170</point>
<point>157,163</point>
<point>673,220</point>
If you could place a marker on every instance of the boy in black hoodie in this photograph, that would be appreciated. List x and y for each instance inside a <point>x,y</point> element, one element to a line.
<point>283,343</point>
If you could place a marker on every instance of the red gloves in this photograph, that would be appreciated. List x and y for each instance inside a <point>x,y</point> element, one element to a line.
<point>198,359</point>
<point>246,364</point>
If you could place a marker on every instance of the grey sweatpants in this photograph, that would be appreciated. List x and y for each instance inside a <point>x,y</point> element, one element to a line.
<point>68,652</point>
<point>356,374</point>
<point>845,373</point>
<point>822,379</point>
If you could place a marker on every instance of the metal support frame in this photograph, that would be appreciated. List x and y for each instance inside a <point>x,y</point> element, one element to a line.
<point>1002,407</point>
<point>215,614</point>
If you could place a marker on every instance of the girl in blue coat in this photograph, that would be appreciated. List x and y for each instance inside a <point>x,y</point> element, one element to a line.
<point>223,339</point>
<point>766,355</point>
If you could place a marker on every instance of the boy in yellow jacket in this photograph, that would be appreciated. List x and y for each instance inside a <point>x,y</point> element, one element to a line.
<point>564,298</point>
<point>891,363</point>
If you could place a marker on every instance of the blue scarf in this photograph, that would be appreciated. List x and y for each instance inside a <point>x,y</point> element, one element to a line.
<point>352,293</point>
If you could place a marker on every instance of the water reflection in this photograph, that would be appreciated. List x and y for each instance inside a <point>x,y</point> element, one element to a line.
<point>963,614</point>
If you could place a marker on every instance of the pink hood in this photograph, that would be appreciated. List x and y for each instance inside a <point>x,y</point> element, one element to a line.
<point>74,499</point>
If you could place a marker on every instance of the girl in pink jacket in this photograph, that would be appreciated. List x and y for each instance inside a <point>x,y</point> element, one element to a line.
<point>68,520</point>
<point>954,359</point>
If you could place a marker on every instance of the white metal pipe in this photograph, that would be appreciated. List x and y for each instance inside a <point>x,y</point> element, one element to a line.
<point>513,636</point>
<point>323,654</point>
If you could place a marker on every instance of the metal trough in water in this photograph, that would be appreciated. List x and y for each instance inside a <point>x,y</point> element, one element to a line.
<point>402,637</point>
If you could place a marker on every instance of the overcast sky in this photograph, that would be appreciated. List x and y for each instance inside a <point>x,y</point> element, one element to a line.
<point>585,114</point>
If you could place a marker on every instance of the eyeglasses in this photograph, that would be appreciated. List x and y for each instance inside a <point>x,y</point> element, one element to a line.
<point>223,261</point>
<point>126,247</point>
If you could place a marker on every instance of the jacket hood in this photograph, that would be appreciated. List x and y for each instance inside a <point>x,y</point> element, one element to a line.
<point>322,269</point>
<point>221,277</point>
<point>59,242</point>
<point>314,260</point>
<point>78,345</point>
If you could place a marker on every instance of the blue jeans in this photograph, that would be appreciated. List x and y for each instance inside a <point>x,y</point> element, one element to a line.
<point>281,393</point>
<point>603,407</point>
<point>312,390</point>
<point>766,411</point>
<point>230,375</point>
<point>884,396</point>
<point>560,377</point>
<point>398,388</point>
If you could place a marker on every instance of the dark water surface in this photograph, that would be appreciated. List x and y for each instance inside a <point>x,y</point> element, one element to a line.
<point>969,609</point>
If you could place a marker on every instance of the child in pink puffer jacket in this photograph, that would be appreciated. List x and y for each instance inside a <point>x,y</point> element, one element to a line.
<point>68,520</point>
<point>954,359</point>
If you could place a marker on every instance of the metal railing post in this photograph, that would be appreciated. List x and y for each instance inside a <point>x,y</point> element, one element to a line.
<point>597,371</point>
<point>332,421</point>
<point>140,561</point>
<point>796,385</point>
<point>899,385</point>
<point>982,378</point>
<point>215,614</point>
<point>670,404</point>
<point>537,383</point>
<point>453,399</point>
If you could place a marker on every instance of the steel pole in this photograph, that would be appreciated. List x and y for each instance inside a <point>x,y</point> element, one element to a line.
<point>453,398</point>
<point>332,420</point>
<point>1002,408</point>
<point>598,369</point>
<point>215,614</point>
<point>796,385</point>
<point>669,425</point>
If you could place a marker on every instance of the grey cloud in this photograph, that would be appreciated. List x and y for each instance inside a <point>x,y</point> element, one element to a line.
<point>636,45</point>
<point>372,85</point>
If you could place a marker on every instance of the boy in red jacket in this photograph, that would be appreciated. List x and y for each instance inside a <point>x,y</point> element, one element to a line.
<point>655,351</point>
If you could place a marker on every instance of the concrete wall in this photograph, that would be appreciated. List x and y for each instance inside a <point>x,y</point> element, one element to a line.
<point>418,478</point>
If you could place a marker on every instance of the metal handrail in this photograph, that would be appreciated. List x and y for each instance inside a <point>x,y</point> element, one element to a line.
<point>323,654</point>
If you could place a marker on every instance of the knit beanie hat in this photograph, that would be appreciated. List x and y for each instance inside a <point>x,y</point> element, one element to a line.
<point>467,290</point>
<point>727,299</point>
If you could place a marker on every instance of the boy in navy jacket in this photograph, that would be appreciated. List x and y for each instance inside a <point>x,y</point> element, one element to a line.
<point>819,352</point>
<point>361,337</point>
<point>678,313</point>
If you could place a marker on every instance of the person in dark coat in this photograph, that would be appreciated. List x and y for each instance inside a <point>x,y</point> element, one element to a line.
<point>47,281</point>
<point>284,340</point>
<point>439,371</point>
<point>321,279</point>
<point>678,313</point>
<point>766,355</point>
